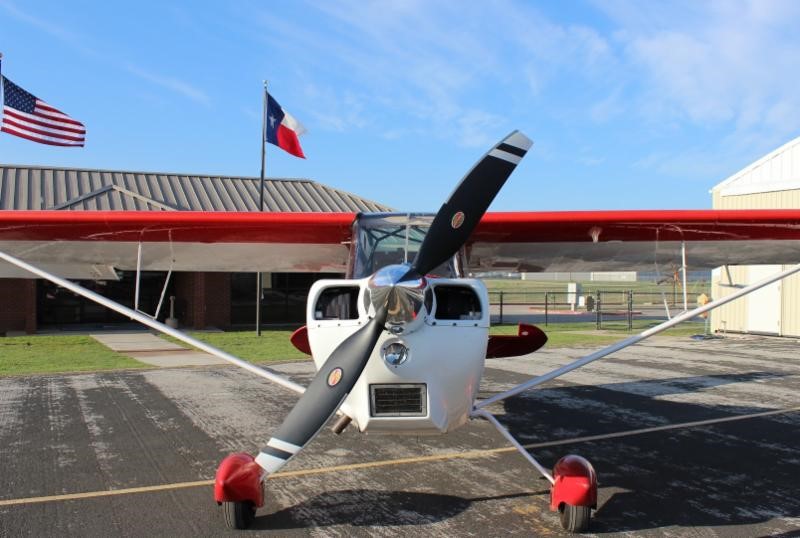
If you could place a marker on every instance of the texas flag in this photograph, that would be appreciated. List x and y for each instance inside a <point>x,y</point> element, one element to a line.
<point>282,129</point>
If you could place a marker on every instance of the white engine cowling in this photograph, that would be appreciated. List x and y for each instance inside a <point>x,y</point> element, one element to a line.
<point>433,387</point>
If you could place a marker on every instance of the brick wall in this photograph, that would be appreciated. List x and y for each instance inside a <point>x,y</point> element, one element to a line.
<point>17,305</point>
<point>203,299</point>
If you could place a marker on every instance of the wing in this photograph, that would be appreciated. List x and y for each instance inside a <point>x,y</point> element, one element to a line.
<point>633,240</point>
<point>92,244</point>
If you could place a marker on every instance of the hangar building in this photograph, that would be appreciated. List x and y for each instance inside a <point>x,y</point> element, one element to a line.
<point>220,300</point>
<point>772,182</point>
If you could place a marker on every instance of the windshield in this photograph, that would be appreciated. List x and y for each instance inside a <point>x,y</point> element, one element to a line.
<point>385,239</point>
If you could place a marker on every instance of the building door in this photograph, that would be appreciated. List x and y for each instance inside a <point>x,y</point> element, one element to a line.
<point>764,305</point>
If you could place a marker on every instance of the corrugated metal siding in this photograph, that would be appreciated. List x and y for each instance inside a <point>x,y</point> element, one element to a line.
<point>788,199</point>
<point>732,316</point>
<point>31,187</point>
<point>735,314</point>
<point>790,307</point>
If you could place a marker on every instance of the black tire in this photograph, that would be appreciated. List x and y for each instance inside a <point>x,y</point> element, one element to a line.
<point>575,518</point>
<point>239,515</point>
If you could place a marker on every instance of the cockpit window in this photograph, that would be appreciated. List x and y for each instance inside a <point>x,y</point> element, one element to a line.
<point>388,239</point>
<point>340,302</point>
<point>456,302</point>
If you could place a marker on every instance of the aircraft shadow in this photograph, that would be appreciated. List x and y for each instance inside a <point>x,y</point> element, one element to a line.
<point>722,474</point>
<point>367,507</point>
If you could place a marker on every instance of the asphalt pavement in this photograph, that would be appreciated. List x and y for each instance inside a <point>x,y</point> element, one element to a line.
<point>689,438</point>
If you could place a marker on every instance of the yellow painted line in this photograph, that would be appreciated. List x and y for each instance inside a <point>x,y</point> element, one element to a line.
<point>106,493</point>
<point>472,454</point>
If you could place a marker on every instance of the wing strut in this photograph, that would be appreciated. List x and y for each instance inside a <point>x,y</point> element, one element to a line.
<point>633,339</point>
<point>153,324</point>
<point>684,277</point>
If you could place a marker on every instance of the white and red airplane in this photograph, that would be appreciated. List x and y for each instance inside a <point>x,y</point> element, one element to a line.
<point>400,344</point>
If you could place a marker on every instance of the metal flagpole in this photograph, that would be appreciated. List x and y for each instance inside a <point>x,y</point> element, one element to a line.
<point>259,289</point>
<point>263,145</point>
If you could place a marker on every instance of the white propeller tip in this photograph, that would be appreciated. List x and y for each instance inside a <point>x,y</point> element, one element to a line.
<point>518,140</point>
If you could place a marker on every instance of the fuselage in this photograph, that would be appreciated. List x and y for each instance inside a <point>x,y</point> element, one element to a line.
<point>424,372</point>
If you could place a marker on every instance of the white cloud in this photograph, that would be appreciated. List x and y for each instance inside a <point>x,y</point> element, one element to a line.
<point>406,55</point>
<point>718,62</point>
<point>432,61</point>
<point>173,84</point>
<point>477,128</point>
<point>58,31</point>
<point>78,42</point>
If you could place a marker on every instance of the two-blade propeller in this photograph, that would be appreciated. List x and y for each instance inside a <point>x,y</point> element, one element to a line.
<point>449,231</point>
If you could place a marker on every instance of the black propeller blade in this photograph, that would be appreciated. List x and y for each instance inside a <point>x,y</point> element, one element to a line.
<point>333,382</point>
<point>459,215</point>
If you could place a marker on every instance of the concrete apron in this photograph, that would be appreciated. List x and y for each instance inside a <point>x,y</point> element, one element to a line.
<point>150,349</point>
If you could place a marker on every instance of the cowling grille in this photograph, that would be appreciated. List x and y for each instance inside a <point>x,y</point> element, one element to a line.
<point>398,400</point>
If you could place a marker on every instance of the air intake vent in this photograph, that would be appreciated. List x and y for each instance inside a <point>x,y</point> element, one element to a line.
<point>398,400</point>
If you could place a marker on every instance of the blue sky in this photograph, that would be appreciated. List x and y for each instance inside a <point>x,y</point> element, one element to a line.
<point>630,104</point>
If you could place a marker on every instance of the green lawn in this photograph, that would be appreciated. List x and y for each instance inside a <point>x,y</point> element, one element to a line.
<point>36,354</point>
<point>584,334</point>
<point>272,345</point>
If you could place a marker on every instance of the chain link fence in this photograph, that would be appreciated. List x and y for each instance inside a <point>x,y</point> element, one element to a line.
<point>617,305</point>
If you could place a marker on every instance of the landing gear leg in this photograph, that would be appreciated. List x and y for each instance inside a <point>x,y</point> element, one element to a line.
<point>573,484</point>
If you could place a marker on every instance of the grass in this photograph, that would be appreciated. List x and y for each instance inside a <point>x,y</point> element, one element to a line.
<point>585,334</point>
<point>39,354</point>
<point>272,345</point>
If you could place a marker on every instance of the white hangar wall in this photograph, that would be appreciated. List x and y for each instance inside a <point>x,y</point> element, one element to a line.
<point>772,182</point>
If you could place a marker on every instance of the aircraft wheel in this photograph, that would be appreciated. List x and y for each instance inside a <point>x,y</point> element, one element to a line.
<point>575,518</point>
<point>239,515</point>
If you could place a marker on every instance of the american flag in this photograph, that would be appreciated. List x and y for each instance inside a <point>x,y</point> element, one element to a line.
<point>26,116</point>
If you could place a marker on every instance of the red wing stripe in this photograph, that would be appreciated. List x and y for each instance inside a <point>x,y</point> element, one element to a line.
<point>637,225</point>
<point>177,226</point>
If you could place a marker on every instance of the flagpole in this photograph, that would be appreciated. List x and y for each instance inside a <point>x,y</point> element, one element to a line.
<point>2,88</point>
<point>259,288</point>
<point>263,146</point>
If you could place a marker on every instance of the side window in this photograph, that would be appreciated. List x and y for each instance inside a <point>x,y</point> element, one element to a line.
<point>339,302</point>
<point>457,302</point>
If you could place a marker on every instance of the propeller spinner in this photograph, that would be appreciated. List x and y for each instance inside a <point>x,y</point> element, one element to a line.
<point>397,295</point>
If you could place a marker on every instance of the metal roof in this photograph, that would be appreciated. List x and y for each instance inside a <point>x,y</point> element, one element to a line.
<point>37,187</point>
